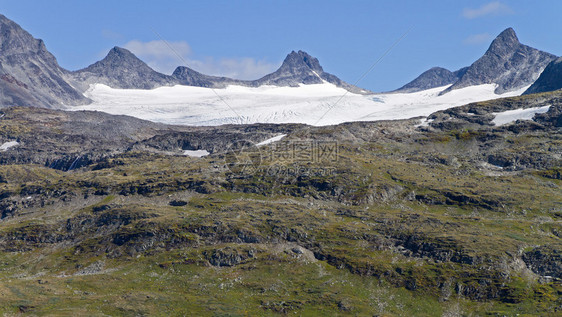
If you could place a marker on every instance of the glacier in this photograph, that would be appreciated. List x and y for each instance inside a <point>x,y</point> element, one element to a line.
<point>314,104</point>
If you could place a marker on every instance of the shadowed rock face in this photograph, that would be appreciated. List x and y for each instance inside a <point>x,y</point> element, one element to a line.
<point>122,69</point>
<point>29,74</point>
<point>550,79</point>
<point>433,78</point>
<point>507,63</point>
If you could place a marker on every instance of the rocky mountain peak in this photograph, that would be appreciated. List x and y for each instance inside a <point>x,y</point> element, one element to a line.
<point>297,68</point>
<point>507,63</point>
<point>505,42</point>
<point>121,69</point>
<point>14,39</point>
<point>120,57</point>
<point>296,60</point>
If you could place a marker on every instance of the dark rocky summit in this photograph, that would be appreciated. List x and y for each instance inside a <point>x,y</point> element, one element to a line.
<point>29,74</point>
<point>507,63</point>
<point>433,78</point>
<point>121,69</point>
<point>549,80</point>
<point>301,68</point>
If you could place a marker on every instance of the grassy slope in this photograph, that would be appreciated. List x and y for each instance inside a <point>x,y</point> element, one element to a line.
<point>391,233</point>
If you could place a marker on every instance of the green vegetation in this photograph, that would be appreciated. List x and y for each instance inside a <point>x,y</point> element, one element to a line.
<point>409,225</point>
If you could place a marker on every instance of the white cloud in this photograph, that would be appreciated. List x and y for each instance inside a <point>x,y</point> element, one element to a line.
<point>492,8</point>
<point>477,39</point>
<point>159,56</point>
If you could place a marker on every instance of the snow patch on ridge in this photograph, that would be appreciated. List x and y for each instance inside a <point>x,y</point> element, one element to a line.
<point>509,116</point>
<point>273,139</point>
<point>196,153</point>
<point>6,146</point>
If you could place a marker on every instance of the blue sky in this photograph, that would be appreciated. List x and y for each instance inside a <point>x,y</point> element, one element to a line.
<point>247,39</point>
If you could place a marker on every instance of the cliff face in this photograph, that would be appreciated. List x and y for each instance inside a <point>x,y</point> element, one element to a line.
<point>549,80</point>
<point>29,74</point>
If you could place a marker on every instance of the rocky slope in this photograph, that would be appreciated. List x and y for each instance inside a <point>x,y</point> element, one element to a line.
<point>457,217</point>
<point>549,80</point>
<point>29,74</point>
<point>507,63</point>
<point>70,140</point>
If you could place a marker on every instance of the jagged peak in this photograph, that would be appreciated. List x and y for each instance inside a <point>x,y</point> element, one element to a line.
<point>119,56</point>
<point>121,52</point>
<point>302,58</point>
<point>508,33</point>
<point>506,39</point>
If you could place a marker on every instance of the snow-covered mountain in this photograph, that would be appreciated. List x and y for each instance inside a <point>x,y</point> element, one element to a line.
<point>300,91</point>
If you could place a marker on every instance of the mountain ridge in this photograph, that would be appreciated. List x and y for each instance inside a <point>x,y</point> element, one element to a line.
<point>507,63</point>
<point>31,76</point>
<point>297,68</point>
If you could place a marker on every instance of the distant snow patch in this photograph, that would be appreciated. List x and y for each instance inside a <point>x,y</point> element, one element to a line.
<point>6,146</point>
<point>196,153</point>
<point>517,114</point>
<point>273,139</point>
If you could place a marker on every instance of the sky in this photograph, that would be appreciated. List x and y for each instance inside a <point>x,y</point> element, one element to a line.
<point>248,39</point>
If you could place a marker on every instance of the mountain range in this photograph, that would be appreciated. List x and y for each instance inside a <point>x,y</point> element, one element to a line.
<point>451,211</point>
<point>31,76</point>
